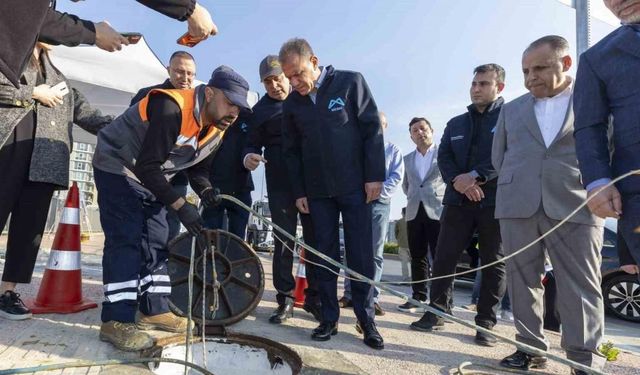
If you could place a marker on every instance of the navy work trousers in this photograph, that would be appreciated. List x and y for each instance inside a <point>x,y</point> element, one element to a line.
<point>134,261</point>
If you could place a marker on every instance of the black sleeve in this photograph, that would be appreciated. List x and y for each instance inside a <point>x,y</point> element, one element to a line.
<point>89,119</point>
<point>255,137</point>
<point>165,119</point>
<point>292,152</point>
<point>178,9</point>
<point>67,29</point>
<point>446,159</point>
<point>199,174</point>
<point>371,132</point>
<point>140,95</point>
<point>484,167</point>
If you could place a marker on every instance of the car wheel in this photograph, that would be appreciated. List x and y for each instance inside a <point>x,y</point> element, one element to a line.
<point>622,296</point>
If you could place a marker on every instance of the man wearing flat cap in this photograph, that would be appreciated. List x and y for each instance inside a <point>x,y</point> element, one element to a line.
<point>265,126</point>
<point>135,158</point>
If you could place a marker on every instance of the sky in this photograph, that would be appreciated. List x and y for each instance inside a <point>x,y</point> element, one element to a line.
<point>416,56</point>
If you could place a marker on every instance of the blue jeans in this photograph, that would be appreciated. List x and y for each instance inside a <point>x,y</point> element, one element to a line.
<point>237,217</point>
<point>380,227</point>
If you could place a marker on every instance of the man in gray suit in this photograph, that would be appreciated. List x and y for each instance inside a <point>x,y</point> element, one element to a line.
<point>424,188</point>
<point>539,184</point>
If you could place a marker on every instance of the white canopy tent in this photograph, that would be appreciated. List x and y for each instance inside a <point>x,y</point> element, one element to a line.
<point>110,79</point>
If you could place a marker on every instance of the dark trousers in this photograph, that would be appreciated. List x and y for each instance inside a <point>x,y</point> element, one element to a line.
<point>134,260</point>
<point>629,224</point>
<point>172,217</point>
<point>356,218</point>
<point>457,225</point>
<point>285,214</point>
<point>26,201</point>
<point>422,233</point>
<point>237,217</point>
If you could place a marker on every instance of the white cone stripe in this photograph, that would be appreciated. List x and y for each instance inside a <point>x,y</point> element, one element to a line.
<point>301,271</point>
<point>121,285</point>
<point>158,289</point>
<point>60,260</point>
<point>147,279</point>
<point>132,296</point>
<point>70,215</point>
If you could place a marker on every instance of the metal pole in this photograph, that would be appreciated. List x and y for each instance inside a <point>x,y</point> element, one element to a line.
<point>583,25</point>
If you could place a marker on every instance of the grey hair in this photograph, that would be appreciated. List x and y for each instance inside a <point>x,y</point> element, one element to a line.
<point>558,44</point>
<point>295,46</point>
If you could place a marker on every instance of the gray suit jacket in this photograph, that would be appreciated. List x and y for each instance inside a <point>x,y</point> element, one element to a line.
<point>530,174</point>
<point>429,190</point>
<point>52,143</point>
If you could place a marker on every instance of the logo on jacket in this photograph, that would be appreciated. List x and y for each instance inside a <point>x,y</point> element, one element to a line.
<point>244,127</point>
<point>336,104</point>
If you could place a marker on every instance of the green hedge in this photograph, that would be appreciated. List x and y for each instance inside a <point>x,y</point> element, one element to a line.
<point>391,248</point>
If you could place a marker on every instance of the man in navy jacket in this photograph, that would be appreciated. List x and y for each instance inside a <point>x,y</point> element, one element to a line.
<point>607,87</point>
<point>265,132</point>
<point>334,151</point>
<point>464,159</point>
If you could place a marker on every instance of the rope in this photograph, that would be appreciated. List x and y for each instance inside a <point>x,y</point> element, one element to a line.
<point>204,299</point>
<point>524,347</point>
<point>503,259</point>
<point>190,299</point>
<point>110,362</point>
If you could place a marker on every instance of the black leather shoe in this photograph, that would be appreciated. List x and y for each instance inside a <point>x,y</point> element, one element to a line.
<point>313,309</point>
<point>282,313</point>
<point>324,331</point>
<point>484,339</point>
<point>524,361</point>
<point>372,337</point>
<point>577,372</point>
<point>429,322</point>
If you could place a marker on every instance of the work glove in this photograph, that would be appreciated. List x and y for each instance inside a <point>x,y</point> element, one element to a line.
<point>210,197</point>
<point>190,218</point>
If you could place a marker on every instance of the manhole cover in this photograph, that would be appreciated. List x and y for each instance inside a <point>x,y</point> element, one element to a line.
<point>239,272</point>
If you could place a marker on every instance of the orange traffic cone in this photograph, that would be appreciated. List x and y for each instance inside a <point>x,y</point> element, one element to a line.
<point>61,287</point>
<point>301,282</point>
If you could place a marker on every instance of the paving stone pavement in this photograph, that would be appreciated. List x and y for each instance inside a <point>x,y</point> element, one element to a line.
<point>55,338</point>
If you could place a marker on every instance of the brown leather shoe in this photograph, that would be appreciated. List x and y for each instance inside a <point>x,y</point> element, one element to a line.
<point>125,336</point>
<point>344,302</point>
<point>168,322</point>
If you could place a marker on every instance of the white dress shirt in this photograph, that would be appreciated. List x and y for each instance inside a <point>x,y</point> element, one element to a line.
<point>422,163</point>
<point>314,93</point>
<point>551,112</point>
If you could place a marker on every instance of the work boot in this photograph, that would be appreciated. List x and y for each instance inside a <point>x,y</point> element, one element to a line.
<point>125,336</point>
<point>429,322</point>
<point>168,322</point>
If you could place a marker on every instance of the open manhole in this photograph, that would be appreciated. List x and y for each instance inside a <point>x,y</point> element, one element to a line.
<point>233,355</point>
<point>240,276</point>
